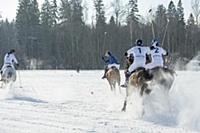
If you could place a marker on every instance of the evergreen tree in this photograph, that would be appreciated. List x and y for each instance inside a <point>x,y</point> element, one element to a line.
<point>190,36</point>
<point>180,12</point>
<point>100,13</point>
<point>65,11</point>
<point>46,17</point>
<point>22,25</point>
<point>132,20</point>
<point>171,11</point>
<point>172,33</point>
<point>181,30</point>
<point>54,12</point>
<point>77,30</point>
<point>191,20</point>
<point>48,22</point>
<point>7,38</point>
<point>101,32</point>
<point>161,21</point>
<point>27,22</point>
<point>133,11</point>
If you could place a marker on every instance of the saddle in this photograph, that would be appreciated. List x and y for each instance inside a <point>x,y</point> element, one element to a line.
<point>113,67</point>
<point>142,74</point>
<point>138,69</point>
<point>8,66</point>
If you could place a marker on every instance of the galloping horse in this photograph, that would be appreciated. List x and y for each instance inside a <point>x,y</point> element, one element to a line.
<point>163,77</point>
<point>142,79</point>
<point>8,75</point>
<point>113,77</point>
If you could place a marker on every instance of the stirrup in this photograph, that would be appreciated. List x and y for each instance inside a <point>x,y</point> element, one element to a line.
<point>125,85</point>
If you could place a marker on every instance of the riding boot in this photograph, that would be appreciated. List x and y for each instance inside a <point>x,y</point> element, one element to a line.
<point>1,72</point>
<point>127,75</point>
<point>105,71</point>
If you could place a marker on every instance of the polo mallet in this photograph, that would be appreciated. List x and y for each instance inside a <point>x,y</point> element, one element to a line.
<point>168,59</point>
<point>165,32</point>
<point>152,26</point>
<point>20,82</point>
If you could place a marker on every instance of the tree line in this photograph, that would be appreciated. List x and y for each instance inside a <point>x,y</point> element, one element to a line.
<point>58,36</point>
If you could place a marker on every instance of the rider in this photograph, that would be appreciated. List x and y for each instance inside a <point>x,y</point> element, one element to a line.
<point>157,55</point>
<point>139,54</point>
<point>110,62</point>
<point>9,60</point>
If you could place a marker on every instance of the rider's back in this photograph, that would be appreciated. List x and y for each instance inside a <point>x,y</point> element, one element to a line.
<point>139,53</point>
<point>157,54</point>
<point>9,59</point>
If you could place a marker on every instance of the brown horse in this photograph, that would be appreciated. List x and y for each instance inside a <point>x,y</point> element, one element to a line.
<point>139,80</point>
<point>113,77</point>
<point>142,80</point>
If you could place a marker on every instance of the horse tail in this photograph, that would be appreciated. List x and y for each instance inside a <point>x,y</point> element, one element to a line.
<point>9,74</point>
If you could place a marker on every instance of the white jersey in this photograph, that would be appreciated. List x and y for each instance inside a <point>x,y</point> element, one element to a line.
<point>157,55</point>
<point>10,59</point>
<point>139,53</point>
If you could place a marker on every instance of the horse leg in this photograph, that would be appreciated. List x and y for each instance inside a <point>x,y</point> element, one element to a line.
<point>144,87</point>
<point>114,85</point>
<point>2,85</point>
<point>125,101</point>
<point>124,105</point>
<point>111,86</point>
<point>119,87</point>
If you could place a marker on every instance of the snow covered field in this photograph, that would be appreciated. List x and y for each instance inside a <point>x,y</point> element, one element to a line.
<point>69,102</point>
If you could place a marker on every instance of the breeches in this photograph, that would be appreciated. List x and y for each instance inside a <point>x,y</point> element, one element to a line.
<point>134,66</point>
<point>153,65</point>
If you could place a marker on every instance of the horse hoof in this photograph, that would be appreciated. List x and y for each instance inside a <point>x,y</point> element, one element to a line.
<point>124,86</point>
<point>147,91</point>
<point>123,109</point>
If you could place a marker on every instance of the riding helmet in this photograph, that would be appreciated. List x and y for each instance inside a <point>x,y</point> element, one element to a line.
<point>12,51</point>
<point>139,42</point>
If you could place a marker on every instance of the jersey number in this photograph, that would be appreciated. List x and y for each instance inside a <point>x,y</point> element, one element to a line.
<point>140,50</point>
<point>157,50</point>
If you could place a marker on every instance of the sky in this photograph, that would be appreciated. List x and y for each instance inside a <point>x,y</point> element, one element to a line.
<point>8,7</point>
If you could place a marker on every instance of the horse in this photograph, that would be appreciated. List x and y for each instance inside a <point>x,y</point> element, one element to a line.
<point>142,79</point>
<point>113,77</point>
<point>8,75</point>
<point>163,77</point>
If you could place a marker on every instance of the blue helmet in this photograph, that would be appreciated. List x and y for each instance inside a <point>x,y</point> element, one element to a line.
<point>108,53</point>
<point>155,42</point>
<point>12,51</point>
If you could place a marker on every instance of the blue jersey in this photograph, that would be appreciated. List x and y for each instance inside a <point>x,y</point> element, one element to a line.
<point>110,60</point>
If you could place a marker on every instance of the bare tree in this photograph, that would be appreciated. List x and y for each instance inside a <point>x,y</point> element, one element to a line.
<point>85,10</point>
<point>196,9</point>
<point>119,10</point>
